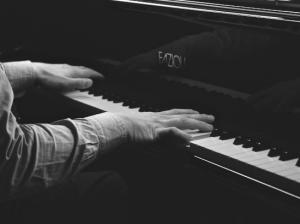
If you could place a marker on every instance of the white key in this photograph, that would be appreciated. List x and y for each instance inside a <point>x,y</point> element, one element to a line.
<point>289,172</point>
<point>275,163</point>
<point>295,176</point>
<point>223,144</point>
<point>248,154</point>
<point>265,160</point>
<point>232,150</point>
<point>255,156</point>
<point>202,142</point>
<point>284,166</point>
<point>219,144</point>
<point>196,134</point>
<point>98,102</point>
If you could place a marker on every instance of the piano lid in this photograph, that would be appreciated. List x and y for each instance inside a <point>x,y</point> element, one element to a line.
<point>280,15</point>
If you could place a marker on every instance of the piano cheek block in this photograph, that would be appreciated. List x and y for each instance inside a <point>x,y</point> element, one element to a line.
<point>250,170</point>
<point>241,167</point>
<point>292,186</point>
<point>287,185</point>
<point>231,163</point>
<point>210,155</point>
<point>263,176</point>
<point>296,188</point>
<point>220,159</point>
<point>200,151</point>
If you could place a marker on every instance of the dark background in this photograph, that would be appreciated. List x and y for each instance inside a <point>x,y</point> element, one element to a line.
<point>85,28</point>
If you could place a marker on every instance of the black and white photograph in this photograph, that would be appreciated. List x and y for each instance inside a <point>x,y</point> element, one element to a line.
<point>150,112</point>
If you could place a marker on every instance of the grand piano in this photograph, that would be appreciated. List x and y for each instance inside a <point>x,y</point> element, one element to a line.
<point>248,169</point>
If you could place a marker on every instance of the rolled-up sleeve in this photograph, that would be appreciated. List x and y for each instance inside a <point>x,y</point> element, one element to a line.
<point>20,74</point>
<point>36,157</point>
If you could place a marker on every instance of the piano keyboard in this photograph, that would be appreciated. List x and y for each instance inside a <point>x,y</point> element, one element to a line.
<point>249,143</point>
<point>99,102</point>
<point>283,175</point>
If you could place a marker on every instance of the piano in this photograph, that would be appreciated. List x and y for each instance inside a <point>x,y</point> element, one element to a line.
<point>254,155</point>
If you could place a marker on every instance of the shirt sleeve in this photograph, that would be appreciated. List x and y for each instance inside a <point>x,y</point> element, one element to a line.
<point>20,74</point>
<point>36,157</point>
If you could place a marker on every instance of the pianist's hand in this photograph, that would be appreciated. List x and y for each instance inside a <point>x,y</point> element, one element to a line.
<point>149,127</point>
<point>63,76</point>
<point>280,98</point>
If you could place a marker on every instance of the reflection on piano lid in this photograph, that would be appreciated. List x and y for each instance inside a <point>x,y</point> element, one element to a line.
<point>272,15</point>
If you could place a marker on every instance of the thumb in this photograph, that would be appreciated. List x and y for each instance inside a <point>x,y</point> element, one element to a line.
<point>79,83</point>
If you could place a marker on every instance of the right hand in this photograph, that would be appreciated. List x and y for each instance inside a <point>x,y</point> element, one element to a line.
<point>150,127</point>
<point>279,99</point>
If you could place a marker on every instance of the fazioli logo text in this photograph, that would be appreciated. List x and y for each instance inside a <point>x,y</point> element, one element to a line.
<point>172,61</point>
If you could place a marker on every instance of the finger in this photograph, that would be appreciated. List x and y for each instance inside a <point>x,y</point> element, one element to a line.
<point>145,61</point>
<point>200,117</point>
<point>178,111</point>
<point>78,83</point>
<point>283,106</point>
<point>286,103</point>
<point>84,72</point>
<point>187,123</point>
<point>128,63</point>
<point>258,96</point>
<point>267,103</point>
<point>174,134</point>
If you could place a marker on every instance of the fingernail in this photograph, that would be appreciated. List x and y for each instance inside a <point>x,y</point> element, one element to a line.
<point>88,83</point>
<point>210,126</point>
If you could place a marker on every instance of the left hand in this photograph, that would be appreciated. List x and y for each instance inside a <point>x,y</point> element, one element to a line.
<point>280,98</point>
<point>64,77</point>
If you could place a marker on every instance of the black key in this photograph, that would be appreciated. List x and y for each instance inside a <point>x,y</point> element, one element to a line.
<point>287,155</point>
<point>98,92</point>
<point>126,102</point>
<point>216,132</point>
<point>239,140</point>
<point>274,152</point>
<point>118,99</point>
<point>134,104</point>
<point>107,95</point>
<point>248,143</point>
<point>298,163</point>
<point>258,146</point>
<point>227,135</point>
<point>84,90</point>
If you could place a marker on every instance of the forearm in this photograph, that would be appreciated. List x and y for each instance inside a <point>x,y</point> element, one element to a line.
<point>44,155</point>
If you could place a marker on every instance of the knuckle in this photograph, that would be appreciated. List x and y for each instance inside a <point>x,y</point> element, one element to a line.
<point>173,130</point>
<point>179,119</point>
<point>175,111</point>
